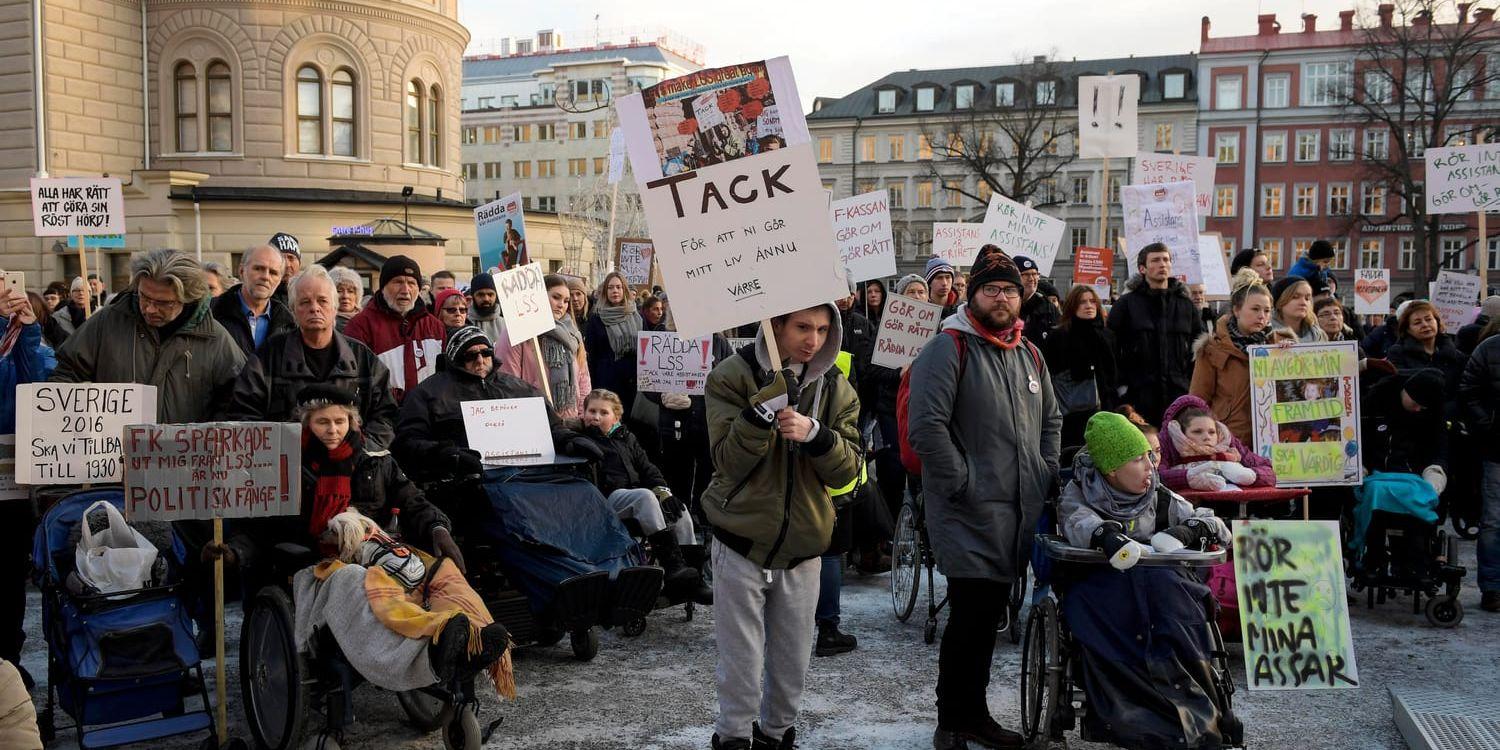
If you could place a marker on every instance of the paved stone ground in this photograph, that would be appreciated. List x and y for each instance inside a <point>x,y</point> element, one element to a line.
<point>656,691</point>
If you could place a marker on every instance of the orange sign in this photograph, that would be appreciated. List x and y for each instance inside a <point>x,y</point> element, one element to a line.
<point>1094,266</point>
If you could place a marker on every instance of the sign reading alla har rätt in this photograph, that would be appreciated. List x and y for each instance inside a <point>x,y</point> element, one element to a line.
<point>1304,412</point>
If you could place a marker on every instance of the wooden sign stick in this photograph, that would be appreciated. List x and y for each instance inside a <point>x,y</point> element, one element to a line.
<point>221,717</point>
<point>1482,258</point>
<point>83,273</point>
<point>771,348</point>
<point>541,366</point>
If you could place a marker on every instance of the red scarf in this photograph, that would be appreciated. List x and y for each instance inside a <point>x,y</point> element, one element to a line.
<point>1009,338</point>
<point>334,470</point>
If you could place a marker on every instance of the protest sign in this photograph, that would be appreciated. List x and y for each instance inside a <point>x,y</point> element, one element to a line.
<point>616,155</point>
<point>1463,179</point>
<point>1107,116</point>
<point>1372,291</point>
<point>956,242</point>
<point>177,472</point>
<point>1304,412</point>
<point>736,209</point>
<point>77,205</point>
<point>509,430</point>
<point>1164,213</point>
<point>98,241</point>
<point>524,303</point>
<point>1019,230</point>
<point>69,433</point>
<point>1456,295</point>
<point>862,227</point>
<point>1094,266</point>
<point>668,363</point>
<point>633,258</point>
<point>10,489</point>
<point>740,343</point>
<point>1156,169</point>
<point>1211,262</point>
<point>500,227</point>
<point>1289,579</point>
<point>905,327</point>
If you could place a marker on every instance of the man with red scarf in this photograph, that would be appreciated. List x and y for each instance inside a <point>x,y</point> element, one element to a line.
<point>985,423</point>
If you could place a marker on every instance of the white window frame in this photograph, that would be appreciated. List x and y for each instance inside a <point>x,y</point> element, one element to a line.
<point>1167,81</point>
<point>1272,247</point>
<point>885,101</point>
<point>1224,141</point>
<point>1348,189</point>
<point>1340,252</point>
<point>1005,94</point>
<point>1376,137</point>
<point>1378,87</point>
<point>1305,194</point>
<point>1408,254</point>
<point>1233,194</point>
<point>1225,86</point>
<point>1372,248</point>
<point>929,94</point>
<point>1046,93</point>
<point>963,96</point>
<point>1347,135</point>
<point>1326,83</point>
<point>1452,248</point>
<point>1311,139</point>
<point>1266,140</point>
<point>1279,189</point>
<point>1277,91</point>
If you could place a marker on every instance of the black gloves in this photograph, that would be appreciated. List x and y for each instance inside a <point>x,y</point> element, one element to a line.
<point>671,507</point>
<point>580,446</point>
<point>1123,552</point>
<point>780,393</point>
<point>457,461</point>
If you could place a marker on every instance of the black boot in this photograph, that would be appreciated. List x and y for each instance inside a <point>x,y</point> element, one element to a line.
<point>986,733</point>
<point>763,741</point>
<point>832,642</point>
<point>451,649</point>
<point>682,582</point>
<point>732,743</point>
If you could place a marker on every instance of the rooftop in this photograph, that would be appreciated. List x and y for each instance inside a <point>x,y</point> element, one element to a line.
<point>1270,35</point>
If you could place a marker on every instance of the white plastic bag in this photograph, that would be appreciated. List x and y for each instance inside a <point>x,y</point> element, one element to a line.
<point>115,559</point>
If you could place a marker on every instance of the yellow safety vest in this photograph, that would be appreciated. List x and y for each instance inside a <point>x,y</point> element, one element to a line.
<point>845,362</point>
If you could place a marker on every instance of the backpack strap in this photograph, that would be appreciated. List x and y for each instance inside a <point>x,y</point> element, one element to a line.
<point>1163,507</point>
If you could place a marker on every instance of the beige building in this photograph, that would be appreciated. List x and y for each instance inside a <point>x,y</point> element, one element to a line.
<point>235,120</point>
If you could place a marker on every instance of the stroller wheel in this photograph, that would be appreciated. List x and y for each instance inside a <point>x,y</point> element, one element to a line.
<point>585,643</point>
<point>634,628</point>
<point>1444,611</point>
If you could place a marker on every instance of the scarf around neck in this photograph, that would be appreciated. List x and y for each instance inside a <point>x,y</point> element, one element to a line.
<point>621,322</point>
<point>334,472</point>
<point>1008,338</point>
<point>1243,340</point>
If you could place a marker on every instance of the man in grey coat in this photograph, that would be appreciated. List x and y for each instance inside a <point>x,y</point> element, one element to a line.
<point>984,421</point>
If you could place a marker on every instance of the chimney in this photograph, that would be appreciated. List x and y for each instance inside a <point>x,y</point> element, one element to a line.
<point>1346,20</point>
<point>1484,15</point>
<point>1463,13</point>
<point>1309,23</point>
<point>1203,35</point>
<point>1422,18</point>
<point>1386,11</point>
<point>1268,24</point>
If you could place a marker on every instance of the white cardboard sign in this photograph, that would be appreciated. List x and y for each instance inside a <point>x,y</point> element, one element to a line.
<point>956,242</point>
<point>634,261</point>
<point>1164,213</point>
<point>176,472</point>
<point>616,155</point>
<point>1463,179</point>
<point>742,230</point>
<point>1456,296</point>
<point>509,430</point>
<point>1107,116</point>
<point>1211,260</point>
<point>1372,291</point>
<point>862,227</point>
<point>63,206</point>
<point>69,433</point>
<point>905,327</point>
<point>1155,169</point>
<point>524,303</point>
<point>668,363</point>
<point>1019,230</point>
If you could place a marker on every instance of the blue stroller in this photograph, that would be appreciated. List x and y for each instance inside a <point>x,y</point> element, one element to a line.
<point>121,664</point>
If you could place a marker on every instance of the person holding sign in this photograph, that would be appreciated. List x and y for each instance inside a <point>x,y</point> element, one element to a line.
<point>783,432</point>
<point>1155,324</point>
<point>1221,365</point>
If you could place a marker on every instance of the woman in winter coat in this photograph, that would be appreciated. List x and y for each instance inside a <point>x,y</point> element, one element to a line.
<point>1221,366</point>
<point>1421,342</point>
<point>872,300</point>
<point>1082,349</point>
<point>1293,297</point>
<point>610,339</point>
<point>578,295</point>
<point>563,353</point>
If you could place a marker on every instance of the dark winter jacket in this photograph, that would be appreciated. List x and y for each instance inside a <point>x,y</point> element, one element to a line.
<point>1395,439</point>
<point>989,444</point>
<point>1380,339</point>
<point>1083,349</point>
<point>229,310</point>
<point>1467,338</point>
<point>1408,356</point>
<point>859,341</point>
<point>432,423</point>
<point>193,369</point>
<point>625,465</point>
<point>1307,268</point>
<point>1154,330</point>
<point>408,345</point>
<point>1479,395</point>
<point>267,387</point>
<point>1041,317</point>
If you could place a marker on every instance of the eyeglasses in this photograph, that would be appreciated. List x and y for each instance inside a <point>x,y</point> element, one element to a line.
<point>155,304</point>
<point>473,354</point>
<point>456,310</point>
<point>995,290</point>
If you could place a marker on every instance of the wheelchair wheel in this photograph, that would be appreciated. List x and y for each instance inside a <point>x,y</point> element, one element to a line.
<point>426,711</point>
<point>1444,611</point>
<point>272,672</point>
<point>633,628</point>
<point>906,563</point>
<point>1013,609</point>
<point>1041,673</point>
<point>585,643</point>
<point>463,732</point>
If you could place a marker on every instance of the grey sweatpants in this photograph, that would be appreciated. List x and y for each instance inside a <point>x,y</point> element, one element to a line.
<point>643,506</point>
<point>763,626</point>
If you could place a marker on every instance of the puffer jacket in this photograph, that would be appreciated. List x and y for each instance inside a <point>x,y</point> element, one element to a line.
<point>625,465</point>
<point>229,310</point>
<point>1155,330</point>
<point>407,345</point>
<point>989,446</point>
<point>1479,395</point>
<point>1041,317</point>
<point>268,385</point>
<point>1174,467</point>
<point>1307,268</point>
<point>769,499</point>
<point>193,370</point>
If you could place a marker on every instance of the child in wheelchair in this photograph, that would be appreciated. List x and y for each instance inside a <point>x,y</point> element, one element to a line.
<point>636,489</point>
<point>1144,633</point>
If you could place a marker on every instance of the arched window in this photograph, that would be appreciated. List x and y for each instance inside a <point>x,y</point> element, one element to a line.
<point>414,121</point>
<point>186,106</point>
<point>434,127</point>
<point>220,107</point>
<point>341,96</point>
<point>309,110</point>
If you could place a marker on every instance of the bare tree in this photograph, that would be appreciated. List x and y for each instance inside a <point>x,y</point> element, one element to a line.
<point>1014,148</point>
<point>585,221</point>
<point>1417,72</point>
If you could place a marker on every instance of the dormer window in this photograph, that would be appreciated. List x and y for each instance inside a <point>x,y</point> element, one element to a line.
<point>926,97</point>
<point>1046,93</point>
<point>1174,86</point>
<point>963,96</point>
<point>1005,95</point>
<point>885,101</point>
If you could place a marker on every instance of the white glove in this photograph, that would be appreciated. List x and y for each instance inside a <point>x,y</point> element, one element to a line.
<point>1238,473</point>
<point>1165,544</point>
<point>1203,476</point>
<point>676,401</point>
<point>1128,555</point>
<point>1436,477</point>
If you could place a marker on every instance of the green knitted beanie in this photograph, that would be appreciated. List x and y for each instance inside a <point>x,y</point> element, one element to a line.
<point>1113,441</point>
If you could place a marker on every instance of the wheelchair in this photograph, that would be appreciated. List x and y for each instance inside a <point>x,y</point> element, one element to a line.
<point>283,686</point>
<point>911,553</point>
<point>1052,701</point>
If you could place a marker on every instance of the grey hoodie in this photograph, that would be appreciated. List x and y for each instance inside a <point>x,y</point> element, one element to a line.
<point>1090,500</point>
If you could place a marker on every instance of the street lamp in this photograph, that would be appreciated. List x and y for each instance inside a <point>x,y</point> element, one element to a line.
<point>406,191</point>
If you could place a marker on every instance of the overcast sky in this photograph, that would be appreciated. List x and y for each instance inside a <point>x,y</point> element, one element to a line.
<point>838,46</point>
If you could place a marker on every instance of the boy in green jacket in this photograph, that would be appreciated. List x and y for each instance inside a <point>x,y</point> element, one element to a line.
<point>781,434</point>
